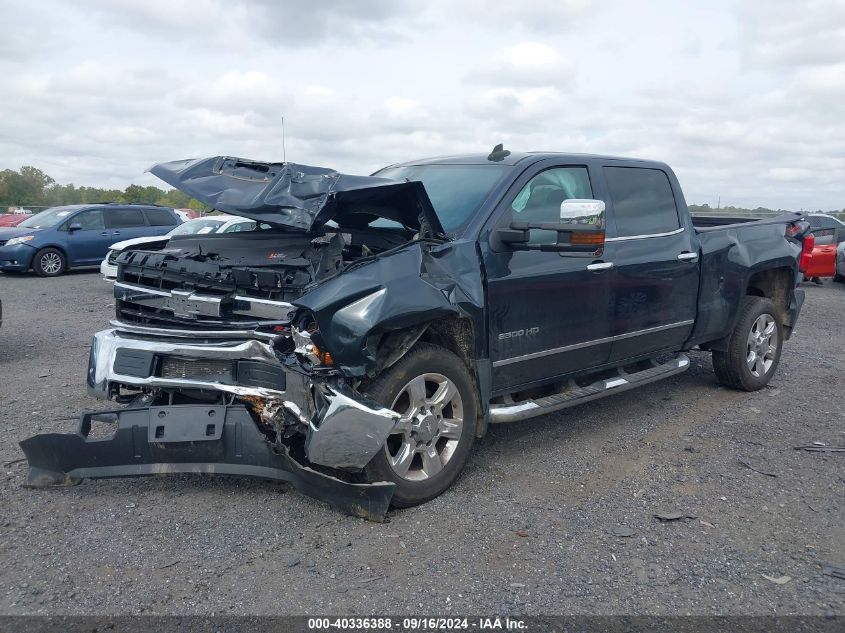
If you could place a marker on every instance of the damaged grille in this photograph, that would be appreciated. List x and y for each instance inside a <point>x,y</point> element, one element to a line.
<point>175,368</point>
<point>234,282</point>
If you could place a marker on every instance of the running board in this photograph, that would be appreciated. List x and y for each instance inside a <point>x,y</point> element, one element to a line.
<point>574,395</point>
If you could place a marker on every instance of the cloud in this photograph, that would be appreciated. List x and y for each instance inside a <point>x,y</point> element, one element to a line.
<point>525,64</point>
<point>752,112</point>
<point>278,23</point>
<point>541,16</point>
<point>788,33</point>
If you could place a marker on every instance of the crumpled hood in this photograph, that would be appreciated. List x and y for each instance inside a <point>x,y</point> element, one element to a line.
<point>299,196</point>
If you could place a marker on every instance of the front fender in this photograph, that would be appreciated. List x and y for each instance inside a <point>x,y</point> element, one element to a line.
<point>415,285</point>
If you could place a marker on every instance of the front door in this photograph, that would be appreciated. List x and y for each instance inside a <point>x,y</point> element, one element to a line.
<point>548,314</point>
<point>85,243</point>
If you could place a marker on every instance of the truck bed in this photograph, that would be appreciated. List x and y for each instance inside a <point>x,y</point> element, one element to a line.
<point>705,223</point>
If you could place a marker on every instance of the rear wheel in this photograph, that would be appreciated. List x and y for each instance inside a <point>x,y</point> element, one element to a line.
<point>754,347</point>
<point>49,262</point>
<point>433,392</point>
<point>839,278</point>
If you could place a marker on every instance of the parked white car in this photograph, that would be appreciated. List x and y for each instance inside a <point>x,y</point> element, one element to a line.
<point>198,226</point>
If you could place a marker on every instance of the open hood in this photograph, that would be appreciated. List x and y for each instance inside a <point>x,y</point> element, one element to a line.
<point>299,196</point>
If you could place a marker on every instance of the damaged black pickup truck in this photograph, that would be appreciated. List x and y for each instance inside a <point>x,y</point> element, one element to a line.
<point>358,346</point>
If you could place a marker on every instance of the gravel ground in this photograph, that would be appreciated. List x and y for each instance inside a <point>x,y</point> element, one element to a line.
<point>203,545</point>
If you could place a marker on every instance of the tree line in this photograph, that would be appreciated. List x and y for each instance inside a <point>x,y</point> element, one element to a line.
<point>30,187</point>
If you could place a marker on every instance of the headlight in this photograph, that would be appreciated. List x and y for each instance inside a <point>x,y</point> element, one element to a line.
<point>19,240</point>
<point>303,339</point>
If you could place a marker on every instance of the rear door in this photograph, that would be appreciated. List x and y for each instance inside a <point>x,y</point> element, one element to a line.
<point>160,221</point>
<point>655,259</point>
<point>91,238</point>
<point>548,314</point>
<point>126,223</point>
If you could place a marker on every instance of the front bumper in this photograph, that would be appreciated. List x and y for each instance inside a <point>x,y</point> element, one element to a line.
<point>17,257</point>
<point>187,439</point>
<point>344,429</point>
<point>108,271</point>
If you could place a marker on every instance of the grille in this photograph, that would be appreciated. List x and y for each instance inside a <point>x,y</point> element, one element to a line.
<point>208,370</point>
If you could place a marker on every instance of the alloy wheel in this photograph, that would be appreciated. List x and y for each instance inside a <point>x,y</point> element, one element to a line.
<point>51,263</point>
<point>762,345</point>
<point>427,434</point>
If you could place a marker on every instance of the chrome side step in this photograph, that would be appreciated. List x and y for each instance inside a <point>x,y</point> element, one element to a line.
<point>574,395</point>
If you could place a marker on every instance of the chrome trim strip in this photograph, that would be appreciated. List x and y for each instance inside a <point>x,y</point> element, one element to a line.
<point>262,308</point>
<point>609,339</point>
<point>282,304</point>
<point>644,237</point>
<point>149,291</point>
<point>163,332</point>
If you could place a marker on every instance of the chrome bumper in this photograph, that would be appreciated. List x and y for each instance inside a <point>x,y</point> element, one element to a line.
<point>345,431</point>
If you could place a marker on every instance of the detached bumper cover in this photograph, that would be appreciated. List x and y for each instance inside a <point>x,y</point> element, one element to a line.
<point>187,439</point>
<point>344,432</point>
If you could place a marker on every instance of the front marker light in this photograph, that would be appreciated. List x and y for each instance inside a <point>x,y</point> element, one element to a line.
<point>19,240</point>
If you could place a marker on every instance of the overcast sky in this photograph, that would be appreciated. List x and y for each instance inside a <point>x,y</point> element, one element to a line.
<point>745,99</point>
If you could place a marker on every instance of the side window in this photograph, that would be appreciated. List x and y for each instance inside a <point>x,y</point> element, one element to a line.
<point>240,227</point>
<point>826,230</point>
<point>642,198</point>
<point>160,217</point>
<point>124,218</point>
<point>89,220</point>
<point>539,200</point>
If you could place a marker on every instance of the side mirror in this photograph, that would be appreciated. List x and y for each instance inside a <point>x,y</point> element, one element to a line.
<point>74,227</point>
<point>580,231</point>
<point>581,211</point>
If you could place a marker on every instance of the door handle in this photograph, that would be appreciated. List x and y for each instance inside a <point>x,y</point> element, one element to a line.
<point>688,257</point>
<point>600,266</point>
<point>116,233</point>
<point>104,233</point>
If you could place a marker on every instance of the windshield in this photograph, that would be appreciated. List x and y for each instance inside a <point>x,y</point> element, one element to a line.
<point>200,225</point>
<point>48,218</point>
<point>456,191</point>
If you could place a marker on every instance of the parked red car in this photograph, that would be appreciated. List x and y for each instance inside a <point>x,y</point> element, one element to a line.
<point>828,232</point>
<point>13,219</point>
<point>822,262</point>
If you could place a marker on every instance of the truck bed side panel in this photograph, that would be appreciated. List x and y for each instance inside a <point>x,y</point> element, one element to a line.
<point>729,259</point>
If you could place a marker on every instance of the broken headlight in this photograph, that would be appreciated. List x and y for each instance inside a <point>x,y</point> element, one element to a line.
<point>307,342</point>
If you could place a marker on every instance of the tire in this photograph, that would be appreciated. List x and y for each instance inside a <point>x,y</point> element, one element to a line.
<point>745,365</point>
<point>49,262</point>
<point>430,449</point>
<point>840,279</point>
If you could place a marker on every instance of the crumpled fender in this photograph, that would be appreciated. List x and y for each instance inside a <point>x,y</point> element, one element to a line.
<point>418,284</point>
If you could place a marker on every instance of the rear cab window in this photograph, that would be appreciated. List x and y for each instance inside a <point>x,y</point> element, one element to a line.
<point>643,202</point>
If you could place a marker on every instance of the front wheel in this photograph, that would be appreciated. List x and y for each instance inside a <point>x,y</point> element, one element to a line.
<point>433,392</point>
<point>754,347</point>
<point>49,262</point>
